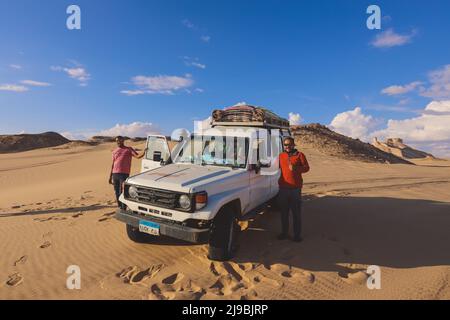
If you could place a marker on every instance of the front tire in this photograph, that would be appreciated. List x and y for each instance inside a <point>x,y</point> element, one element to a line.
<point>224,236</point>
<point>136,236</point>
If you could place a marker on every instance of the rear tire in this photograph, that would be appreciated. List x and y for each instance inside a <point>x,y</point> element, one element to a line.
<point>223,239</point>
<point>136,236</point>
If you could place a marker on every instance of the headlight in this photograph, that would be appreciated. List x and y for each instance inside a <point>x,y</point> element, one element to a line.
<point>132,192</point>
<point>185,202</point>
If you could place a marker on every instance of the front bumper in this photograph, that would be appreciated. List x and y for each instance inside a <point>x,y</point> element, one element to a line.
<point>166,228</point>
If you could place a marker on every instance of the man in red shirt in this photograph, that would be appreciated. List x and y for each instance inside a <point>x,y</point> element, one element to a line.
<point>121,166</point>
<point>292,164</point>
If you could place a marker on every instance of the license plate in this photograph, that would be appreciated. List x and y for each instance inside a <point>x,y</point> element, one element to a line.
<point>149,227</point>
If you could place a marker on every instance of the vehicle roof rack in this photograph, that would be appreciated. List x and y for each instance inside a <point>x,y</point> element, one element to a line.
<point>258,124</point>
<point>249,116</point>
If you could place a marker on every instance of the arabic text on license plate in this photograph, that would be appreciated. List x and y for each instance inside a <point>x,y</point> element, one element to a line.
<point>149,227</point>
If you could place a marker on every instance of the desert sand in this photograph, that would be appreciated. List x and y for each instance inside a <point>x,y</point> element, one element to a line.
<point>56,210</point>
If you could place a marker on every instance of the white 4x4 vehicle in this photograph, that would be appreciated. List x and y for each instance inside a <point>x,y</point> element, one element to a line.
<point>197,193</point>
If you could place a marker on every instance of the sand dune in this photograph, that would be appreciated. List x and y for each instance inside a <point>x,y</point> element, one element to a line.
<point>57,210</point>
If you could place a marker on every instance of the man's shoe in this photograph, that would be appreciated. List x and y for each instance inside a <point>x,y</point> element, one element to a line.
<point>282,236</point>
<point>297,239</point>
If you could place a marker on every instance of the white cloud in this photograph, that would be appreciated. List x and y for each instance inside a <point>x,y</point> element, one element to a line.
<point>354,123</point>
<point>159,84</point>
<point>205,38</point>
<point>74,135</point>
<point>295,119</point>
<point>193,62</point>
<point>437,86</point>
<point>78,73</point>
<point>133,92</point>
<point>35,83</point>
<point>135,129</point>
<point>429,131</point>
<point>188,24</point>
<point>389,38</point>
<point>433,125</point>
<point>13,88</point>
<point>397,90</point>
<point>440,84</point>
<point>15,66</point>
<point>438,107</point>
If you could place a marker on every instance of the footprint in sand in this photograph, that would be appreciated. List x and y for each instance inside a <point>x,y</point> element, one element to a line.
<point>79,214</point>
<point>21,260</point>
<point>247,266</point>
<point>48,234</point>
<point>251,295</point>
<point>133,274</point>
<point>173,279</point>
<point>156,293</point>
<point>353,276</point>
<point>176,286</point>
<point>304,277</point>
<point>231,278</point>
<point>291,273</point>
<point>226,285</point>
<point>16,207</point>
<point>14,279</point>
<point>266,280</point>
<point>46,244</point>
<point>55,218</point>
<point>107,216</point>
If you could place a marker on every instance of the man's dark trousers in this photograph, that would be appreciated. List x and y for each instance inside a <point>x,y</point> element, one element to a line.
<point>118,180</point>
<point>290,199</point>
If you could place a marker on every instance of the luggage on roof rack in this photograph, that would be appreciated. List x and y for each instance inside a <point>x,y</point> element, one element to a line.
<point>247,115</point>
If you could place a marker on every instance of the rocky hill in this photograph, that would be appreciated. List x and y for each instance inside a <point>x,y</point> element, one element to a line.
<point>25,142</point>
<point>331,143</point>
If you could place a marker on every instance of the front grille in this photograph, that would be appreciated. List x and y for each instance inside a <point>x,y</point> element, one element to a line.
<point>165,199</point>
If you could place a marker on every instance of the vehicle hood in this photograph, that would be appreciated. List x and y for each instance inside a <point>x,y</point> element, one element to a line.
<point>180,177</point>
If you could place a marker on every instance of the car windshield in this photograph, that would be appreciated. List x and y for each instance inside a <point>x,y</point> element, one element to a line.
<point>226,151</point>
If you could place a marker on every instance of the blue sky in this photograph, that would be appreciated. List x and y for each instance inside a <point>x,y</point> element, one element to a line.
<point>169,62</point>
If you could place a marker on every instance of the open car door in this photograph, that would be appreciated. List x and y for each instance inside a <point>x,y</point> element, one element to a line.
<point>158,153</point>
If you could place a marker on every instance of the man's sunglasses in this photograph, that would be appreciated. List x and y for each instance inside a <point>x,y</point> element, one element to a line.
<point>288,145</point>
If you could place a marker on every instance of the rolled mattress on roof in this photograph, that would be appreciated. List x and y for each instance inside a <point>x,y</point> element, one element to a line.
<point>247,113</point>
